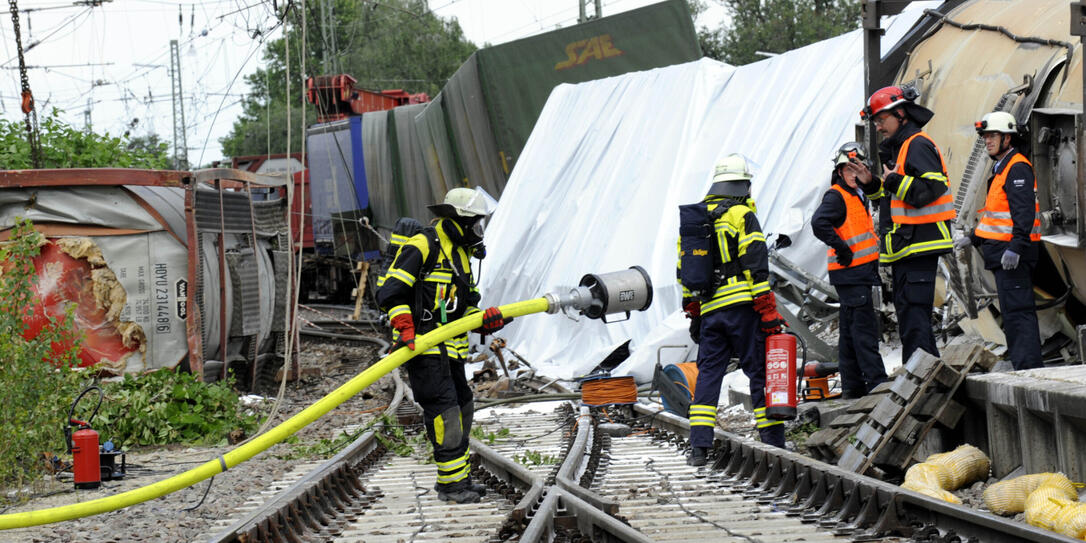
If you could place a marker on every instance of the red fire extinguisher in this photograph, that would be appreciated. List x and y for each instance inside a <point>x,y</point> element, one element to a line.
<point>83,445</point>
<point>781,376</point>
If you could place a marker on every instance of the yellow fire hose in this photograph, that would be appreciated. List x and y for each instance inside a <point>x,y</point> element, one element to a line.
<point>271,437</point>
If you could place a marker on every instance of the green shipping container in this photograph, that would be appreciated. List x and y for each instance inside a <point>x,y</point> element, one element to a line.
<point>517,77</point>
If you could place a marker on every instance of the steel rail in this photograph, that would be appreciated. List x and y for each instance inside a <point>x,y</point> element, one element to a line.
<point>847,503</point>
<point>313,498</point>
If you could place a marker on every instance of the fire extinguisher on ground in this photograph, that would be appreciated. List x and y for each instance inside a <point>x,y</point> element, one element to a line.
<point>83,445</point>
<point>782,379</point>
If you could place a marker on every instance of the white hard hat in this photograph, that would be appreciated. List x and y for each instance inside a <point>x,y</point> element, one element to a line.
<point>462,202</point>
<point>997,121</point>
<point>732,168</point>
<point>849,151</point>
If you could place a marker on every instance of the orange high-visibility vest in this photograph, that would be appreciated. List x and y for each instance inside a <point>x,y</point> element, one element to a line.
<point>858,231</point>
<point>942,209</point>
<point>995,217</point>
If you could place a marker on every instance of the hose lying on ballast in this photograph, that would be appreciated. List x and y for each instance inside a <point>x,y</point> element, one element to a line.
<point>273,436</point>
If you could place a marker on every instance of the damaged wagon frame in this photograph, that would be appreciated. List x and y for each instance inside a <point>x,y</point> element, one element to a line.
<point>208,196</point>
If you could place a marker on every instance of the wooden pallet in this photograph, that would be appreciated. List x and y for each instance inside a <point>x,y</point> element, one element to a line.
<point>885,429</point>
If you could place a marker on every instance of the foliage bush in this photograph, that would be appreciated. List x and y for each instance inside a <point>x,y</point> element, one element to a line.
<point>166,406</point>
<point>64,146</point>
<point>39,385</point>
<point>36,384</point>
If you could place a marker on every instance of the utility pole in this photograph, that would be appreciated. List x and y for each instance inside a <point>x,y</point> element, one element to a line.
<point>328,37</point>
<point>324,36</point>
<point>87,116</point>
<point>583,18</point>
<point>180,145</point>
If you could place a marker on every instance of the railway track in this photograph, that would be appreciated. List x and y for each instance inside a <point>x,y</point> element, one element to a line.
<point>559,472</point>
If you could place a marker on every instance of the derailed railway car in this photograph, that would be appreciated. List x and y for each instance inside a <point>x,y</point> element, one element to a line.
<point>165,269</point>
<point>368,170</point>
<point>967,58</point>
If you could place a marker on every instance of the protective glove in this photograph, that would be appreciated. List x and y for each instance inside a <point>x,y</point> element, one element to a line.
<point>766,306</point>
<point>1009,260</point>
<point>692,308</point>
<point>844,256</point>
<point>772,322</point>
<point>405,325</point>
<point>765,302</point>
<point>962,243</point>
<point>695,329</point>
<point>492,321</point>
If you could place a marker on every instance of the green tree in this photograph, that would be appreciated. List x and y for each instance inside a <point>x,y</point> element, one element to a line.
<point>776,26</point>
<point>386,44</point>
<point>64,146</point>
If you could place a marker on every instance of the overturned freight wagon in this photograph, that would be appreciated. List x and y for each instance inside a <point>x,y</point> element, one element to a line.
<point>383,165</point>
<point>155,262</point>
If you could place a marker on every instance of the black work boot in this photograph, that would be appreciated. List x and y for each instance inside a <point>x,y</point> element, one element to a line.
<point>458,492</point>
<point>699,456</point>
<point>474,487</point>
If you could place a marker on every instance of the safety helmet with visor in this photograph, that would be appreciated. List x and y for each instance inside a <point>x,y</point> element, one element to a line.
<point>731,177</point>
<point>850,152</point>
<point>467,206</point>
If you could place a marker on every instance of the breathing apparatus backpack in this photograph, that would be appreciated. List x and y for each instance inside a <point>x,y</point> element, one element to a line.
<point>701,267</point>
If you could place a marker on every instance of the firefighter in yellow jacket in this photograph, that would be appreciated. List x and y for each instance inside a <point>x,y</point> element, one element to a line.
<point>844,223</point>
<point>915,209</point>
<point>1008,236</point>
<point>734,315</point>
<point>429,285</point>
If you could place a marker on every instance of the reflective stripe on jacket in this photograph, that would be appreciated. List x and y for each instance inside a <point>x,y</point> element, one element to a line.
<point>742,247</point>
<point>435,294</point>
<point>942,209</point>
<point>995,217</point>
<point>858,231</point>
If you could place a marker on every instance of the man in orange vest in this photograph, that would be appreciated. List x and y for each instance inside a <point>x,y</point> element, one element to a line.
<point>915,209</point>
<point>843,222</point>
<point>1008,235</point>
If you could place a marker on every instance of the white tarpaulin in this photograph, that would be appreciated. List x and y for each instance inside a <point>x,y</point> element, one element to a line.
<point>599,183</point>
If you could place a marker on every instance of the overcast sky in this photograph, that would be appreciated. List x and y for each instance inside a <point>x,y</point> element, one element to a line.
<point>113,60</point>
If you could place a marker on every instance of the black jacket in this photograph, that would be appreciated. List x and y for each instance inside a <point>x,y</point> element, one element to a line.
<point>923,157</point>
<point>1021,198</point>
<point>831,214</point>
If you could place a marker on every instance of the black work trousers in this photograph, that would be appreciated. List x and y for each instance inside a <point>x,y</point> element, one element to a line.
<point>726,332</point>
<point>441,388</point>
<point>858,355</point>
<point>1016,305</point>
<point>914,300</point>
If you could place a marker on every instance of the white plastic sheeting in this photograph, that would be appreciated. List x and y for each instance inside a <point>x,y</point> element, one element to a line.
<point>609,161</point>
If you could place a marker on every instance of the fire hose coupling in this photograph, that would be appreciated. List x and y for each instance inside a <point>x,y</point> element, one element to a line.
<point>605,294</point>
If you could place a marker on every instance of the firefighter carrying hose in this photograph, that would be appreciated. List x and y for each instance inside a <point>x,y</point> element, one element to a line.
<point>724,272</point>
<point>1008,236</point>
<point>428,285</point>
<point>844,223</point>
<point>915,209</point>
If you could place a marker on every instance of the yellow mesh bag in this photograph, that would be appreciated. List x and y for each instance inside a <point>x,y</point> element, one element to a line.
<point>947,471</point>
<point>1071,521</point>
<point>1044,505</point>
<point>1009,497</point>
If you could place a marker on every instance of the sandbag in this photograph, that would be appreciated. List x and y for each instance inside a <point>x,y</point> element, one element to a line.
<point>942,472</point>
<point>1071,521</point>
<point>1009,497</point>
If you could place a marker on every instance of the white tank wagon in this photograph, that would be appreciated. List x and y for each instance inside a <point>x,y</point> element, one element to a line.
<point>157,261</point>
